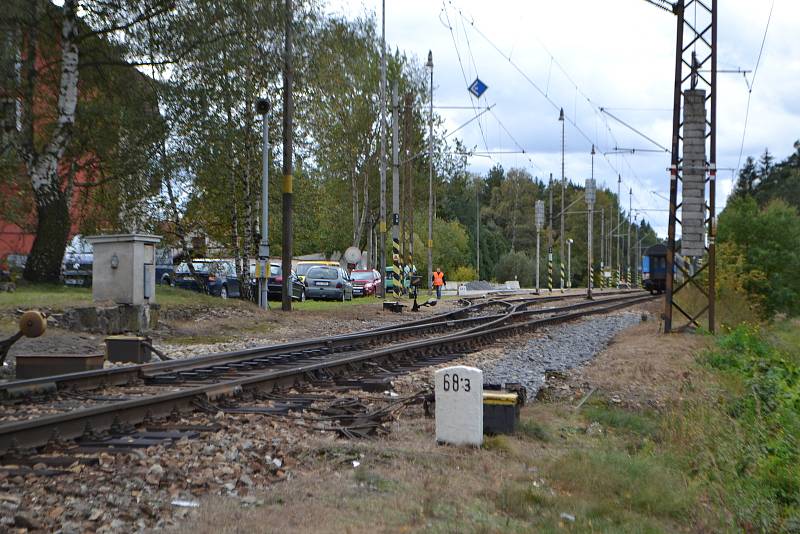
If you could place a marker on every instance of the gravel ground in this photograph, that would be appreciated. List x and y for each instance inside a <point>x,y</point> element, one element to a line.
<point>561,348</point>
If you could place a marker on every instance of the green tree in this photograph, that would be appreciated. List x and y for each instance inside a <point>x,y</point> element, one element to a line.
<point>748,176</point>
<point>515,266</point>
<point>762,246</point>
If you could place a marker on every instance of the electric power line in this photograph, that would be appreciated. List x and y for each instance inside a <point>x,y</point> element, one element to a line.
<point>545,95</point>
<point>750,88</point>
<point>463,73</point>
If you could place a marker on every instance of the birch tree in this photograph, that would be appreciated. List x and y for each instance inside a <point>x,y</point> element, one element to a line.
<point>53,42</point>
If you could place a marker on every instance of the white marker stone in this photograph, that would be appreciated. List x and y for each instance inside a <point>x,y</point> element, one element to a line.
<point>459,405</point>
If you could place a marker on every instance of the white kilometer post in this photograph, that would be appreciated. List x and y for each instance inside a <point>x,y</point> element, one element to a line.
<point>459,405</point>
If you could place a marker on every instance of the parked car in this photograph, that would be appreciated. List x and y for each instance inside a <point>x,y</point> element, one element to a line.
<point>305,265</point>
<point>275,284</point>
<point>218,278</point>
<point>327,282</point>
<point>365,282</point>
<point>77,265</point>
<point>165,267</point>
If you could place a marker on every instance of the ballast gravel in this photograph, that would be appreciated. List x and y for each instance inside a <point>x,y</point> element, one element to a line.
<point>561,348</point>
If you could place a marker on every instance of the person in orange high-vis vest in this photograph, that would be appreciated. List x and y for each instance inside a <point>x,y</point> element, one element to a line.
<point>438,282</point>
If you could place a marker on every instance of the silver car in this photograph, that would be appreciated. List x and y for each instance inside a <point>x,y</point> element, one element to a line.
<point>326,282</point>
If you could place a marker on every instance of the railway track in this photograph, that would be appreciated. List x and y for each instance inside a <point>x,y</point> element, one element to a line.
<point>121,376</point>
<point>135,394</point>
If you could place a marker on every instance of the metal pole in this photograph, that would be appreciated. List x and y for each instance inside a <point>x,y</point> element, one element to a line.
<point>563,191</point>
<point>638,258</point>
<point>263,247</point>
<point>382,236</point>
<point>396,253</point>
<point>550,241</point>
<point>430,179</point>
<point>589,254</point>
<point>602,246</point>
<point>629,250</point>
<point>619,226</point>
<point>538,235</point>
<point>673,179</point>
<point>712,180</point>
<point>478,227</point>
<point>407,116</point>
<point>569,262</point>
<point>550,232</point>
<point>288,112</point>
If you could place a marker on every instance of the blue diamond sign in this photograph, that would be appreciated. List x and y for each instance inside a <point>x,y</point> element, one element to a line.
<point>478,88</point>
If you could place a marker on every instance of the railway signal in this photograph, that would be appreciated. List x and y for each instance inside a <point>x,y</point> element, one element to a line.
<point>262,108</point>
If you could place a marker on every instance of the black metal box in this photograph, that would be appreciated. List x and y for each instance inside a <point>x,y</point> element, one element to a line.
<point>500,412</point>
<point>128,349</point>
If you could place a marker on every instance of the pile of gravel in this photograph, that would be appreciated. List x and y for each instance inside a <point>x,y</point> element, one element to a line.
<point>564,347</point>
<point>481,285</point>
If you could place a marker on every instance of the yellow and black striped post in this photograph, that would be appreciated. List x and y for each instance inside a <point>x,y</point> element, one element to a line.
<point>396,267</point>
<point>563,276</point>
<point>550,270</point>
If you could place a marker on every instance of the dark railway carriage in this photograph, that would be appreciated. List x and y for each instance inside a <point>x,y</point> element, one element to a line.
<point>654,268</point>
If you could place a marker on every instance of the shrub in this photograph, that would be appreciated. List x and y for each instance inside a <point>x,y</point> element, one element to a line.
<point>515,266</point>
<point>464,274</point>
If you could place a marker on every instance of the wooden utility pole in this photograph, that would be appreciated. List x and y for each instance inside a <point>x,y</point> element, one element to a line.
<point>288,111</point>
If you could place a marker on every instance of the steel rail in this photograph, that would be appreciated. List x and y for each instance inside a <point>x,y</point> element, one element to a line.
<point>125,375</point>
<point>40,431</point>
<point>121,376</point>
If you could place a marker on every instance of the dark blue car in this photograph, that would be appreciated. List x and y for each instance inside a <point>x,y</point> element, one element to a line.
<point>217,277</point>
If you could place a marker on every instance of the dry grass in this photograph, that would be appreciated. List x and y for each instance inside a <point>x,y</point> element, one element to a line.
<point>406,483</point>
<point>645,367</point>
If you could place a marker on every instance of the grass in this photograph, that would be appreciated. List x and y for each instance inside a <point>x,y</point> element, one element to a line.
<point>609,480</point>
<point>624,420</point>
<point>373,481</point>
<point>533,429</point>
<point>57,297</point>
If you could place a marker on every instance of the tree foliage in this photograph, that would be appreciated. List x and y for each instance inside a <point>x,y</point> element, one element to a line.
<point>166,138</point>
<point>760,249</point>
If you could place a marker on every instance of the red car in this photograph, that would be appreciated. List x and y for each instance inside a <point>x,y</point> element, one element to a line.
<point>365,282</point>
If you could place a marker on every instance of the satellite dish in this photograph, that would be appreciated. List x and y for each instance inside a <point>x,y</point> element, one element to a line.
<point>352,255</point>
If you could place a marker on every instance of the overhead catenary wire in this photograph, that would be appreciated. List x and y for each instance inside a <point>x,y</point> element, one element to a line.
<point>750,87</point>
<point>641,134</point>
<point>545,94</point>
<point>463,72</point>
<point>514,140</point>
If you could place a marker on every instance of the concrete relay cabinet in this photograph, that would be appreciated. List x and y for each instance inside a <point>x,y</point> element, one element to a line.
<point>124,268</point>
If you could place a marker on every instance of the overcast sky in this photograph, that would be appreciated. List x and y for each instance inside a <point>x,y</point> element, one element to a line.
<point>619,55</point>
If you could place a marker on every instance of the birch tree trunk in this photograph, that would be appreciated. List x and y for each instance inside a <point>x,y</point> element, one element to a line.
<point>52,201</point>
<point>358,232</point>
<point>354,195</point>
